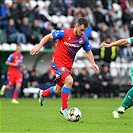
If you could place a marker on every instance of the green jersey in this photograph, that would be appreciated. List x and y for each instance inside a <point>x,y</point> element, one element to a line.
<point>130,40</point>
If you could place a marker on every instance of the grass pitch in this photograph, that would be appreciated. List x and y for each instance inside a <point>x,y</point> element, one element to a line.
<point>28,117</point>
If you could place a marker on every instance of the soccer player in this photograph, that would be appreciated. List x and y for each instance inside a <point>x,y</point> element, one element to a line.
<point>69,42</point>
<point>14,76</point>
<point>128,99</point>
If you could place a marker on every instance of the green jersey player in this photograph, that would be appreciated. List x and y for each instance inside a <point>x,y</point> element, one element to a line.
<point>128,99</point>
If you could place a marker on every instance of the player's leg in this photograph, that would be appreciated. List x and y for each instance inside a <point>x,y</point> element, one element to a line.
<point>52,90</point>
<point>63,77</point>
<point>127,101</point>
<point>18,81</point>
<point>16,93</point>
<point>3,89</point>
<point>10,84</point>
<point>65,92</point>
<point>48,92</point>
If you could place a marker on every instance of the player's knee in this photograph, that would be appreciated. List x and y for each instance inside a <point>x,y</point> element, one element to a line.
<point>69,81</point>
<point>57,90</point>
<point>18,86</point>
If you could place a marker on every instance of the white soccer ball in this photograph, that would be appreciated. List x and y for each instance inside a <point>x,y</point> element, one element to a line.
<point>74,114</point>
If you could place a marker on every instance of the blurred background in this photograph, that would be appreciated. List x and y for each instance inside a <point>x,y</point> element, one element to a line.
<point>25,22</point>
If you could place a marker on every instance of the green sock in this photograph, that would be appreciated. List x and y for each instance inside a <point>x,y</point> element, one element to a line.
<point>128,99</point>
<point>131,74</point>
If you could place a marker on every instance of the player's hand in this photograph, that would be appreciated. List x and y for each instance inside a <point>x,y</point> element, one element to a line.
<point>95,67</point>
<point>105,45</point>
<point>35,50</point>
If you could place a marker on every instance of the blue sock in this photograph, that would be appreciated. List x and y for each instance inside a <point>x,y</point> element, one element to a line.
<point>52,90</point>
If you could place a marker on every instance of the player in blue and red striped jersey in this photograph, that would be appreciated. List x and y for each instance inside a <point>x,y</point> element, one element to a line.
<point>69,42</point>
<point>14,76</point>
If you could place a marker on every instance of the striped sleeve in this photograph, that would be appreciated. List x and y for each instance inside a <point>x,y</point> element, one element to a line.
<point>10,58</point>
<point>57,34</point>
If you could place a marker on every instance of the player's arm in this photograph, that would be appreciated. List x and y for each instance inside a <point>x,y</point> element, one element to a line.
<point>44,40</point>
<point>57,34</point>
<point>9,61</point>
<point>116,43</point>
<point>87,48</point>
<point>91,58</point>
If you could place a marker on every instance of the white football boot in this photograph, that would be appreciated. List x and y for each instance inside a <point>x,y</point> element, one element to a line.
<point>65,113</point>
<point>115,114</point>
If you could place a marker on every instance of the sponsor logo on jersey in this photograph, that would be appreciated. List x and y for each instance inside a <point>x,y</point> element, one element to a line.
<point>72,45</point>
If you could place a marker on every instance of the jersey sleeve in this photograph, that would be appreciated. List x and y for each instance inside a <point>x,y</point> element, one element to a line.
<point>86,45</point>
<point>88,31</point>
<point>130,40</point>
<point>57,34</point>
<point>10,58</point>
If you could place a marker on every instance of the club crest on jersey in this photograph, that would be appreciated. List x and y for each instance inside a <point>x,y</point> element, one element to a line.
<point>80,40</point>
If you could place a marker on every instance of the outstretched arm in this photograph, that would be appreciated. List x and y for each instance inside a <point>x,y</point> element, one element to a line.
<point>15,64</point>
<point>44,40</point>
<point>116,43</point>
<point>91,58</point>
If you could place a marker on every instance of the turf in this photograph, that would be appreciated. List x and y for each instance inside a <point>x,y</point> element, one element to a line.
<point>28,117</point>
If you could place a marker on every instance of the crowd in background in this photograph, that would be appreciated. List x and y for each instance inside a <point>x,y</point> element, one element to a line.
<point>85,84</point>
<point>20,22</point>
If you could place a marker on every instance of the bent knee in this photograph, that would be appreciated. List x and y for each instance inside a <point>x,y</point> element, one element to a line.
<point>69,81</point>
<point>57,90</point>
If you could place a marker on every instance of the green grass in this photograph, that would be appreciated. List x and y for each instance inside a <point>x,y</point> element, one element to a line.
<point>28,117</point>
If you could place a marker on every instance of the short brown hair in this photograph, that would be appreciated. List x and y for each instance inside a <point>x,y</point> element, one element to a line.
<point>82,21</point>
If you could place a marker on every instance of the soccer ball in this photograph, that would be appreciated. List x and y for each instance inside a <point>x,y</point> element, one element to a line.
<point>74,114</point>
